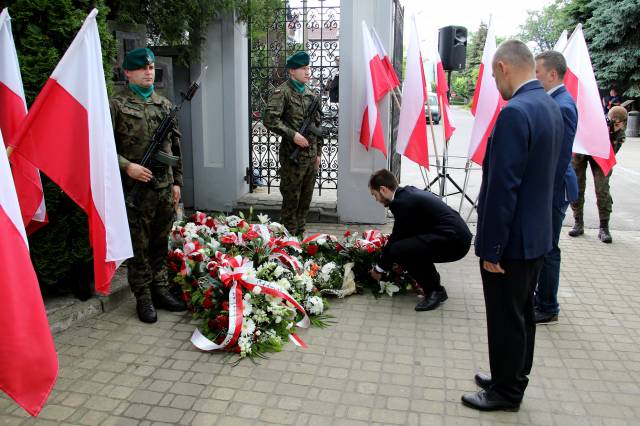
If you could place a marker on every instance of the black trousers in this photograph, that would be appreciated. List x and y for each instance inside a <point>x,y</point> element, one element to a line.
<point>511,326</point>
<point>418,254</point>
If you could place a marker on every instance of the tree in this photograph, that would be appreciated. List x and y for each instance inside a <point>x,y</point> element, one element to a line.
<point>613,33</point>
<point>543,27</point>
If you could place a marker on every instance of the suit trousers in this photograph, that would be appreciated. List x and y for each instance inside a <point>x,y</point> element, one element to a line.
<point>547,291</point>
<point>418,254</point>
<point>511,326</point>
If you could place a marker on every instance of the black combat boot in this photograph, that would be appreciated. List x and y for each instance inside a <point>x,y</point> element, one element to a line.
<point>604,234</point>
<point>165,300</point>
<point>146,310</point>
<point>578,228</point>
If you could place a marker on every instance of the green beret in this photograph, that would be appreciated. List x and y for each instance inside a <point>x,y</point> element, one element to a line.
<point>298,60</point>
<point>138,58</point>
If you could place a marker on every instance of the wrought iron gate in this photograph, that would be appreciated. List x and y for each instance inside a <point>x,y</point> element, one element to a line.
<point>398,25</point>
<point>295,27</point>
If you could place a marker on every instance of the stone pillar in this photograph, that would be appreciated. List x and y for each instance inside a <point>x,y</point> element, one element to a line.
<point>220,118</point>
<point>355,165</point>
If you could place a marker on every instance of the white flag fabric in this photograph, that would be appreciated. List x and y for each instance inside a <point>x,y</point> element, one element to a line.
<point>68,135</point>
<point>562,42</point>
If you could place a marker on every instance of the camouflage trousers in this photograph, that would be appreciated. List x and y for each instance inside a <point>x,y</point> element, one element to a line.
<point>150,223</point>
<point>296,186</point>
<point>601,183</point>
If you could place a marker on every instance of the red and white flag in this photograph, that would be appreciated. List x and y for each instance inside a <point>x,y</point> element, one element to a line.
<point>28,360</point>
<point>12,111</point>
<point>375,82</point>
<point>412,127</point>
<point>69,136</point>
<point>592,135</point>
<point>562,42</point>
<point>487,102</point>
<point>442,89</point>
<point>391,77</point>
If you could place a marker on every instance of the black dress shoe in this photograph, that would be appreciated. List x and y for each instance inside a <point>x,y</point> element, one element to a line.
<point>545,318</point>
<point>167,301</point>
<point>485,400</point>
<point>433,301</point>
<point>482,380</point>
<point>146,311</point>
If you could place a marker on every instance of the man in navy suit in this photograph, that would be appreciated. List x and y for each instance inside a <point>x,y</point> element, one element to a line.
<point>514,223</point>
<point>550,70</point>
<point>425,231</point>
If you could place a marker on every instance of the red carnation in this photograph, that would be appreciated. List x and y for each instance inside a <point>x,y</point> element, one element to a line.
<point>225,306</point>
<point>207,303</point>
<point>312,249</point>
<point>347,233</point>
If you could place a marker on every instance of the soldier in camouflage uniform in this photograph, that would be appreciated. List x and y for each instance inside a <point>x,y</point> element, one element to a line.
<point>285,114</point>
<point>617,125</point>
<point>135,114</point>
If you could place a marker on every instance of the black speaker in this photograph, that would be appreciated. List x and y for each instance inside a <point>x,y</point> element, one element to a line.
<point>452,46</point>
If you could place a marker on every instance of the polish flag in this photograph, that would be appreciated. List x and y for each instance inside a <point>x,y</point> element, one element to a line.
<point>592,134</point>
<point>487,102</point>
<point>69,136</point>
<point>442,89</point>
<point>13,111</point>
<point>412,128</point>
<point>391,78</point>
<point>374,79</point>
<point>562,42</point>
<point>28,360</point>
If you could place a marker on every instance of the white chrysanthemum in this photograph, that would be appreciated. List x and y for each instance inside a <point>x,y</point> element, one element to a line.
<point>278,320</point>
<point>244,343</point>
<point>248,327</point>
<point>321,241</point>
<point>328,268</point>
<point>314,305</point>
<point>278,271</point>
<point>263,218</point>
<point>284,284</point>
<point>247,308</point>
<point>257,290</point>
<point>222,229</point>
<point>233,221</point>
<point>247,296</point>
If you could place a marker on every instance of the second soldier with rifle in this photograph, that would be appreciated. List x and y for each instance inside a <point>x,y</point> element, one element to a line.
<point>293,112</point>
<point>137,113</point>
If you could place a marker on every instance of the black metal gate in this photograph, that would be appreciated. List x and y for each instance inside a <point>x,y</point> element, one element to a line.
<point>398,25</point>
<point>295,27</point>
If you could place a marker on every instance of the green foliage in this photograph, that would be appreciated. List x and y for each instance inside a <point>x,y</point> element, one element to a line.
<point>184,22</point>
<point>543,27</point>
<point>43,30</point>
<point>614,44</point>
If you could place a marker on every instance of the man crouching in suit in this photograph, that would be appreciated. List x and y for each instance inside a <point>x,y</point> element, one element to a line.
<point>514,223</point>
<point>425,231</point>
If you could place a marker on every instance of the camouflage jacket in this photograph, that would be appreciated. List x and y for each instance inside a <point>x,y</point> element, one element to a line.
<point>285,114</point>
<point>617,139</point>
<point>134,122</point>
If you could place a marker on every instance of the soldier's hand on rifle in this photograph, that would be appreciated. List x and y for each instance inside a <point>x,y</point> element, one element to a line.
<point>300,140</point>
<point>138,172</point>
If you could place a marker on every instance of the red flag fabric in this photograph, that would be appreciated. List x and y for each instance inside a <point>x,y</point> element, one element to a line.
<point>391,77</point>
<point>375,83</point>
<point>592,135</point>
<point>487,102</point>
<point>14,109</point>
<point>412,126</point>
<point>28,360</point>
<point>442,89</point>
<point>69,136</point>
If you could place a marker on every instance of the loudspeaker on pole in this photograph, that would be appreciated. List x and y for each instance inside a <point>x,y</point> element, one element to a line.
<point>452,46</point>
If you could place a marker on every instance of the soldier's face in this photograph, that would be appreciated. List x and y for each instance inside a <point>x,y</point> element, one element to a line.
<point>302,74</point>
<point>143,77</point>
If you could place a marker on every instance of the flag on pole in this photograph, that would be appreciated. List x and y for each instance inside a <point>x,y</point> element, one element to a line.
<point>412,127</point>
<point>374,80</point>
<point>28,360</point>
<point>391,77</point>
<point>592,135</point>
<point>487,102</point>
<point>562,42</point>
<point>69,136</point>
<point>442,90</point>
<point>14,109</point>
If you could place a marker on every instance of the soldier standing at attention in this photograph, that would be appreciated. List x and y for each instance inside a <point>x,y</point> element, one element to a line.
<point>285,114</point>
<point>617,126</point>
<point>136,113</point>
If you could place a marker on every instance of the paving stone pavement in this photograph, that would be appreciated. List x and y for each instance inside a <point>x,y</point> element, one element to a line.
<point>381,363</point>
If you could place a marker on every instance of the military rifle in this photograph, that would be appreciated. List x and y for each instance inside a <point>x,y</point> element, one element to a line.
<point>307,126</point>
<point>153,152</point>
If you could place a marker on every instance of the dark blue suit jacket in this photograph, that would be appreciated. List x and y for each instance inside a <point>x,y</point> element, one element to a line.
<point>566,184</point>
<point>518,173</point>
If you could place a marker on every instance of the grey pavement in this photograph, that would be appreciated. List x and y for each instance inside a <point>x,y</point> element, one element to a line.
<point>381,363</point>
